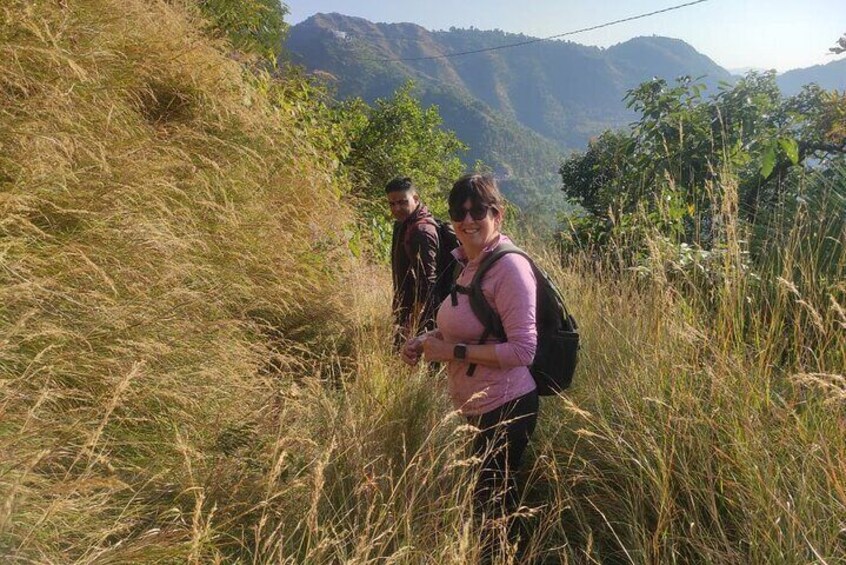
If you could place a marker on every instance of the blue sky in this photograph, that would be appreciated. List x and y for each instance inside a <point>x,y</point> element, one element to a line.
<point>779,34</point>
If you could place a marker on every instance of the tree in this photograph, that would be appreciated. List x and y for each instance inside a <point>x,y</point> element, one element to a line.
<point>256,27</point>
<point>682,143</point>
<point>397,136</point>
<point>594,179</point>
<point>840,47</point>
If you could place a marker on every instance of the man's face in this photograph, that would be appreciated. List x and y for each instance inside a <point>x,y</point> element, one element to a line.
<point>402,203</point>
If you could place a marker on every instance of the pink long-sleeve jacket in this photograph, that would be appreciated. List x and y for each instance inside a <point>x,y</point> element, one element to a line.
<point>511,289</point>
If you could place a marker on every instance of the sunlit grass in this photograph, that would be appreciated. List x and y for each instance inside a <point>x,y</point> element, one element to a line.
<point>193,368</point>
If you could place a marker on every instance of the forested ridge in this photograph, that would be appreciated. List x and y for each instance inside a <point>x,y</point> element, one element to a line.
<point>518,110</point>
<point>562,90</point>
<point>521,109</point>
<point>195,335</point>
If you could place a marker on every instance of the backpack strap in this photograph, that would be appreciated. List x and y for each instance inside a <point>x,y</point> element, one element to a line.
<point>479,298</point>
<point>455,289</point>
<point>479,304</point>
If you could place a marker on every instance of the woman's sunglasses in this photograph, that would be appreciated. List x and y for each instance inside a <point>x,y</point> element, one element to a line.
<point>477,212</point>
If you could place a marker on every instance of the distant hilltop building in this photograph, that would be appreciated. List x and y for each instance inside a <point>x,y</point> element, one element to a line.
<point>339,34</point>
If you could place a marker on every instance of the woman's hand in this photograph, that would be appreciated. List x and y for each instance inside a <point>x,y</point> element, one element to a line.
<point>436,349</point>
<point>412,350</point>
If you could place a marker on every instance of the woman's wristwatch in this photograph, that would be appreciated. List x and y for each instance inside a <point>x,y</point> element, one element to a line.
<point>459,351</point>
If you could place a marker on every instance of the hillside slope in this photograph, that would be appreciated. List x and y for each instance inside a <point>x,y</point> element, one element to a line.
<point>520,110</point>
<point>525,160</point>
<point>565,91</point>
<point>831,76</point>
<point>169,242</point>
<point>193,369</point>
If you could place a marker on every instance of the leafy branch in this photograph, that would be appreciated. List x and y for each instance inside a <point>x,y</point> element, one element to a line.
<point>840,47</point>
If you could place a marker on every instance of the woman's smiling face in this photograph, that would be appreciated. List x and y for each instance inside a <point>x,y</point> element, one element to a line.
<point>476,226</point>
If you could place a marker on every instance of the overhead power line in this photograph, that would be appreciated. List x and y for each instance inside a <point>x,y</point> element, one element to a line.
<point>539,39</point>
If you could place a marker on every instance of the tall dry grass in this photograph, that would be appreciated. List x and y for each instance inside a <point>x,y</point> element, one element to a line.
<point>708,420</point>
<point>171,245</point>
<point>705,426</point>
<point>193,370</point>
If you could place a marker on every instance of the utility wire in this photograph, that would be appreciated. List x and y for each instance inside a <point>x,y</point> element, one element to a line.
<point>539,39</point>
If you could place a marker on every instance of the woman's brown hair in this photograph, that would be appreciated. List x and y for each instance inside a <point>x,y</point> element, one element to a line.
<point>479,189</point>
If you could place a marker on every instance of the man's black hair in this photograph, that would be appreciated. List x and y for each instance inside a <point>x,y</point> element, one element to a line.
<point>399,184</point>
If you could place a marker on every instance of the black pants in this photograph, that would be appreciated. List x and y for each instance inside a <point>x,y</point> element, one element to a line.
<point>502,440</point>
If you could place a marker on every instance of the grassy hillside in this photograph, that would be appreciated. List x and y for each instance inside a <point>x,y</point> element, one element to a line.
<point>194,369</point>
<point>169,243</point>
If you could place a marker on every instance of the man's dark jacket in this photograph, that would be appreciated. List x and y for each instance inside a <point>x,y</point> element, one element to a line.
<point>414,257</point>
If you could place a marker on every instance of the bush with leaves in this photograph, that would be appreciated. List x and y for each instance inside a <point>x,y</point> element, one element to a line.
<point>255,27</point>
<point>668,163</point>
<point>397,137</point>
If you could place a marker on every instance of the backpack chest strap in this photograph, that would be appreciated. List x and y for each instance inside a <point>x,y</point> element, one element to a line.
<point>455,291</point>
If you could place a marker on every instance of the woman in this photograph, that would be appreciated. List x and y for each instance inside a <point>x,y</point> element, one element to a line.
<point>499,396</point>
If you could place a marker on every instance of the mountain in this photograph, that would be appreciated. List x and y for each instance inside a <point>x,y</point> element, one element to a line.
<point>520,109</point>
<point>831,76</point>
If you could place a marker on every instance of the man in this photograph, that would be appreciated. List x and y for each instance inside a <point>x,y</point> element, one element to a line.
<point>414,257</point>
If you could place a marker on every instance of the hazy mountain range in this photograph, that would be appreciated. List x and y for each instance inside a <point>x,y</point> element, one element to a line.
<point>830,76</point>
<point>520,109</point>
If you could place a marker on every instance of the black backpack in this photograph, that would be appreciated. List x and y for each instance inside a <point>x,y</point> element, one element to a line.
<point>447,241</point>
<point>558,336</point>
